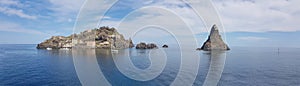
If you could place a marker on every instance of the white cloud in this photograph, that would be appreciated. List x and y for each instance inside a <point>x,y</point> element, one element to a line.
<point>259,15</point>
<point>9,2</point>
<point>12,27</point>
<point>240,15</point>
<point>91,13</point>
<point>20,13</point>
<point>93,9</point>
<point>8,9</point>
<point>237,15</point>
<point>252,38</point>
<point>169,20</point>
<point>65,10</point>
<point>15,3</point>
<point>65,6</point>
<point>163,13</point>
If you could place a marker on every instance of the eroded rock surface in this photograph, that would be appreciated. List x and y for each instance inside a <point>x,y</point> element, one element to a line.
<point>103,37</point>
<point>214,41</point>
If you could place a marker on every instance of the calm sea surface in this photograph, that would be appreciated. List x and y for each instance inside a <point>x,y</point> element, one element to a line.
<point>24,65</point>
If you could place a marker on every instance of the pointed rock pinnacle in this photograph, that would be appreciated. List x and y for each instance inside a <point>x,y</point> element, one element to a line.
<point>214,41</point>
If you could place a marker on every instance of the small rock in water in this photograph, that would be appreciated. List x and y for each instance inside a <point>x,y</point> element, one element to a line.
<point>165,46</point>
<point>143,45</point>
<point>151,46</point>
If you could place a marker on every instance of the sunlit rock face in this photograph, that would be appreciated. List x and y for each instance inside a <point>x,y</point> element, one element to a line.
<point>214,41</point>
<point>56,42</point>
<point>103,38</point>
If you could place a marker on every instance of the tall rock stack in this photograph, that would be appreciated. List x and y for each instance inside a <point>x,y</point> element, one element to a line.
<point>214,41</point>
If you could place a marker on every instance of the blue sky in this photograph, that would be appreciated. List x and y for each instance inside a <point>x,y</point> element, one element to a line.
<point>246,22</point>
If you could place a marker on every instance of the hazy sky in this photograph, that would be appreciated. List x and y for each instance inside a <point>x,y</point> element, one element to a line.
<point>246,22</point>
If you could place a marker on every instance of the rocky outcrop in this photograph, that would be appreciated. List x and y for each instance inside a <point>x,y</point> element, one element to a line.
<point>103,37</point>
<point>151,46</point>
<point>165,46</point>
<point>143,45</point>
<point>56,42</point>
<point>214,41</point>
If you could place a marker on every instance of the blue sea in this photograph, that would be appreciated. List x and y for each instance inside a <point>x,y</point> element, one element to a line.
<point>24,65</point>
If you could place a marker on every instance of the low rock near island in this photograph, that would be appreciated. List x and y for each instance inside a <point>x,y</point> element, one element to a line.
<point>143,45</point>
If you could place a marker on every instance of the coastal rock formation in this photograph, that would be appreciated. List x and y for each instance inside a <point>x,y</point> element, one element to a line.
<point>56,42</point>
<point>151,46</point>
<point>214,41</point>
<point>103,37</point>
<point>143,45</point>
<point>165,46</point>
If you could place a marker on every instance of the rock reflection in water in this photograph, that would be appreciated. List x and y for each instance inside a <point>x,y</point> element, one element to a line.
<point>118,68</point>
<point>125,65</point>
<point>216,66</point>
<point>87,68</point>
<point>56,53</point>
<point>161,67</point>
<point>100,66</point>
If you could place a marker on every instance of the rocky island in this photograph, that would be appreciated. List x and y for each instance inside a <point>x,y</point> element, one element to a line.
<point>214,41</point>
<point>103,37</point>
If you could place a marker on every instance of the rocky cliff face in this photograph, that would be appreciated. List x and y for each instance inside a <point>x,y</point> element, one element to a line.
<point>214,41</point>
<point>103,37</point>
<point>56,42</point>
